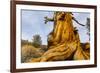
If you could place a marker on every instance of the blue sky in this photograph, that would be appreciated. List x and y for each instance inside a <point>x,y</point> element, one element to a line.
<point>33,23</point>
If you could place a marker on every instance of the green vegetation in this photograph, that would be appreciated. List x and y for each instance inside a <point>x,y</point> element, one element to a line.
<point>36,41</point>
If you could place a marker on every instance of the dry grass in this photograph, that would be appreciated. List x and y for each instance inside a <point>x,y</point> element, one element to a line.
<point>29,51</point>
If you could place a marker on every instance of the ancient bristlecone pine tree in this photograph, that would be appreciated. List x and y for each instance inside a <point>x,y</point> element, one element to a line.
<point>63,41</point>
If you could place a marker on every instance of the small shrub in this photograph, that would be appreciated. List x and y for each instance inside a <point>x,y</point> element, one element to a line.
<point>28,52</point>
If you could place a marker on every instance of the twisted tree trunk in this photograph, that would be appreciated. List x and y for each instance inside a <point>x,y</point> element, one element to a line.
<point>63,41</point>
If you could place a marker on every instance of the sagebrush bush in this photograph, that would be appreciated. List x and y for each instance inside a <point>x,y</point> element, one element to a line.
<point>29,51</point>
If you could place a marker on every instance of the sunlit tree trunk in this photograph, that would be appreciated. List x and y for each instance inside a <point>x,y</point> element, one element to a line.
<point>63,41</point>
